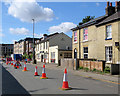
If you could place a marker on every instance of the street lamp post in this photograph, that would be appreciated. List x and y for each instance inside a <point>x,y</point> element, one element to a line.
<point>34,61</point>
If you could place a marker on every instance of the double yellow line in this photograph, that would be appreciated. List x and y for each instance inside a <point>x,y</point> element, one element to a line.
<point>101,80</point>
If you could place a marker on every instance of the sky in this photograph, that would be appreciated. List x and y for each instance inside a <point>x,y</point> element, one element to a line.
<point>50,17</point>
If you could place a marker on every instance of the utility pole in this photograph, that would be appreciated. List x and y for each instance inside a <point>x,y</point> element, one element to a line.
<point>34,61</point>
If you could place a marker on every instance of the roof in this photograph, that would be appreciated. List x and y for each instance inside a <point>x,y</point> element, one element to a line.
<point>49,37</point>
<point>26,39</point>
<point>115,16</point>
<point>100,21</point>
<point>91,22</point>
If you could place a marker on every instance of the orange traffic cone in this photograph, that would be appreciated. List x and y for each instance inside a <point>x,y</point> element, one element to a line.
<point>43,73</point>
<point>36,73</point>
<point>11,63</point>
<point>17,67</point>
<point>25,68</point>
<point>65,85</point>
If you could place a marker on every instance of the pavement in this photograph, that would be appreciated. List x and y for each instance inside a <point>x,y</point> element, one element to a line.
<point>15,81</point>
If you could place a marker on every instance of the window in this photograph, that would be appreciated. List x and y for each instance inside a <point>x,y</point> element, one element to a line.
<point>52,55</point>
<point>75,37</point>
<point>108,53</point>
<point>67,55</point>
<point>108,32</point>
<point>85,52</point>
<point>46,45</point>
<point>39,47</point>
<point>43,45</point>
<point>85,34</point>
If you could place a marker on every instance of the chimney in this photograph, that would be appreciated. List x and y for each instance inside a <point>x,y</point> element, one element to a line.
<point>110,9</point>
<point>110,3</point>
<point>44,36</point>
<point>117,6</point>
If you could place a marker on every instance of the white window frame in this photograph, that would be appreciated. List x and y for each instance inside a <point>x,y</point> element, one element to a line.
<point>108,53</point>
<point>75,37</point>
<point>52,55</point>
<point>85,53</point>
<point>85,35</point>
<point>108,31</point>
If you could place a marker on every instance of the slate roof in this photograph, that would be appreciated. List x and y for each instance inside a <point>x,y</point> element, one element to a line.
<point>100,21</point>
<point>111,18</point>
<point>48,37</point>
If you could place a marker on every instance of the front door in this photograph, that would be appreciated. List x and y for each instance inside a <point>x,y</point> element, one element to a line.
<point>75,53</point>
<point>41,58</point>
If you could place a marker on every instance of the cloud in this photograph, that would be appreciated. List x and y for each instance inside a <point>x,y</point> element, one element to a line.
<point>63,27</point>
<point>38,35</point>
<point>1,34</point>
<point>97,4</point>
<point>19,31</point>
<point>26,10</point>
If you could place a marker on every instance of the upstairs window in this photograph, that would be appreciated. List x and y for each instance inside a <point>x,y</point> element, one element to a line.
<point>108,32</point>
<point>75,37</point>
<point>85,34</point>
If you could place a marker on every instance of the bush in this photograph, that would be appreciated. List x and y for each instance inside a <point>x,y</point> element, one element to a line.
<point>94,70</point>
<point>80,67</point>
<point>86,69</point>
<point>107,69</point>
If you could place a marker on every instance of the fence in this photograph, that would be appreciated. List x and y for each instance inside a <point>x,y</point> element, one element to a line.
<point>75,64</point>
<point>69,63</point>
<point>98,65</point>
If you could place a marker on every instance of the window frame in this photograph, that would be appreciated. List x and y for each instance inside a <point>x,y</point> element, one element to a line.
<point>109,53</point>
<point>75,37</point>
<point>108,37</point>
<point>85,34</point>
<point>85,53</point>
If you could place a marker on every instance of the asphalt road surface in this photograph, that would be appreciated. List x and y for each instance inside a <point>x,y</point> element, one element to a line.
<point>15,81</point>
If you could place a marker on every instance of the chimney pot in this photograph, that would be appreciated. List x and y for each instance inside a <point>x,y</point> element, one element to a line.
<point>110,3</point>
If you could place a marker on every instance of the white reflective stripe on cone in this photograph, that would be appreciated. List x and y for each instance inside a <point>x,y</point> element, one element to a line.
<point>35,70</point>
<point>43,71</point>
<point>65,77</point>
<point>24,65</point>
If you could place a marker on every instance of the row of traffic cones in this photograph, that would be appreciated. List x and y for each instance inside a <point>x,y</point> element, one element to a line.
<point>65,85</point>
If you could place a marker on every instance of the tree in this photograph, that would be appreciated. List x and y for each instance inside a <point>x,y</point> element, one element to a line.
<point>86,19</point>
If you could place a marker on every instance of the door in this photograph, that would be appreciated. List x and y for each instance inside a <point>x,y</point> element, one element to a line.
<point>41,58</point>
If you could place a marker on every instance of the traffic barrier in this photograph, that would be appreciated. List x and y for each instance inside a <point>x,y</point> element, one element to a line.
<point>65,85</point>
<point>25,68</point>
<point>43,73</point>
<point>36,73</point>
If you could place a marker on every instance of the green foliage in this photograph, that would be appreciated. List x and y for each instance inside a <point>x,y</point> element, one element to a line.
<point>107,69</point>
<point>94,70</point>
<point>87,18</point>
<point>31,56</point>
<point>80,67</point>
<point>86,69</point>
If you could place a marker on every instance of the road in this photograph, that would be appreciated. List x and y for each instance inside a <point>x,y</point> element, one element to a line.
<point>15,81</point>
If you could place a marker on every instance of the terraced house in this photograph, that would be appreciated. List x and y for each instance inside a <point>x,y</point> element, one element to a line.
<point>51,48</point>
<point>24,46</point>
<point>99,38</point>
